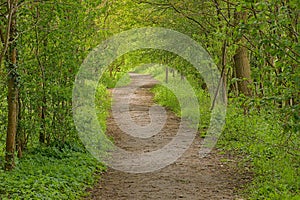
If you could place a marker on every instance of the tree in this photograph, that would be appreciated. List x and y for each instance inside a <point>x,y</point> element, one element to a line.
<point>241,60</point>
<point>12,99</point>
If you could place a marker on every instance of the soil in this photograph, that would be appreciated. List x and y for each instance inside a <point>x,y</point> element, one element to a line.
<point>217,176</point>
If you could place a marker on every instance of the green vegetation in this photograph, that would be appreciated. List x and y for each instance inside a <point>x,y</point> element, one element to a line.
<point>255,44</point>
<point>120,79</point>
<point>40,151</point>
<point>270,148</point>
<point>51,173</point>
<point>165,97</point>
<point>60,170</point>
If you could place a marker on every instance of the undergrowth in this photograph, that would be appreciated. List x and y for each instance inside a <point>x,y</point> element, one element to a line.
<point>272,151</point>
<point>50,173</point>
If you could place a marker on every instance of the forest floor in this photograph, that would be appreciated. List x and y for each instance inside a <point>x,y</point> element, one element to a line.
<point>217,176</point>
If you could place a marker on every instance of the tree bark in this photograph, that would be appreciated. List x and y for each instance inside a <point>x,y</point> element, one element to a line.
<point>12,98</point>
<point>243,71</point>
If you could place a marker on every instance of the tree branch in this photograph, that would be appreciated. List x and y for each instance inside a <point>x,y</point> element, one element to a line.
<point>11,11</point>
<point>2,36</point>
<point>222,75</point>
<point>188,17</point>
<point>219,10</point>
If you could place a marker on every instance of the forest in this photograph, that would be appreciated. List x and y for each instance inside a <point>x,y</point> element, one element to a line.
<point>254,45</point>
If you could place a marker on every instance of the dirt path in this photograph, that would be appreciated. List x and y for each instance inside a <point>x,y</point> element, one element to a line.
<point>214,177</point>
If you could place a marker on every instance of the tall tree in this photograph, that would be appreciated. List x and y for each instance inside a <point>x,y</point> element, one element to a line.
<point>12,99</point>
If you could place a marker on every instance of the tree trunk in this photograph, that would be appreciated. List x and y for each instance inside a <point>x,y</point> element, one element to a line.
<point>42,136</point>
<point>20,137</point>
<point>12,98</point>
<point>243,71</point>
<point>167,74</point>
<point>42,108</point>
<point>241,61</point>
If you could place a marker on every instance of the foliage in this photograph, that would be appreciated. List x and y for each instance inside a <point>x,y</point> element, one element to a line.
<point>265,126</point>
<point>120,79</point>
<point>53,39</point>
<point>61,170</point>
<point>165,97</point>
<point>51,173</point>
<point>272,152</point>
